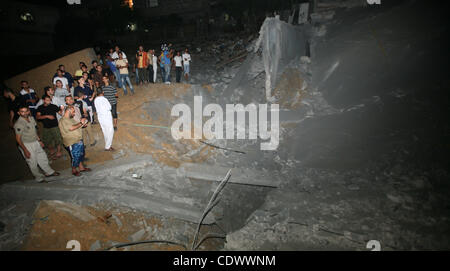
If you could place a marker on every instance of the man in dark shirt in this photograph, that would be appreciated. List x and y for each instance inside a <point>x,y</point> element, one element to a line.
<point>110,94</point>
<point>13,104</point>
<point>93,70</point>
<point>84,92</point>
<point>51,135</point>
<point>29,97</point>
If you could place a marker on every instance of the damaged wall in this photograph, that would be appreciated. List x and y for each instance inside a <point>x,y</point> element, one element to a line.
<point>280,42</point>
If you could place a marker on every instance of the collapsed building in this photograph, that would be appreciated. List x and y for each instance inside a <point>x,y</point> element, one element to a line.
<point>349,166</point>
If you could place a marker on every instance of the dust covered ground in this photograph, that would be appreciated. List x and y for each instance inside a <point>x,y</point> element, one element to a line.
<point>101,227</point>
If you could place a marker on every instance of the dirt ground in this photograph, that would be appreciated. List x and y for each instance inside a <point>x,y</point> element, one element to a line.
<point>290,89</point>
<point>53,227</point>
<point>143,139</point>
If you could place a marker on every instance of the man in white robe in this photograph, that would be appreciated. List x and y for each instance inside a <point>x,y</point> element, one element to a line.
<point>105,118</point>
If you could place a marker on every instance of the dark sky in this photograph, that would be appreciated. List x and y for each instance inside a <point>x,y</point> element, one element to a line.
<point>53,3</point>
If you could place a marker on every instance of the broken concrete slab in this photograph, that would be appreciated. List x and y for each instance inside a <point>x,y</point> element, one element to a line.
<point>137,236</point>
<point>93,194</point>
<point>95,246</point>
<point>322,16</point>
<point>118,222</point>
<point>216,173</point>
<point>74,210</point>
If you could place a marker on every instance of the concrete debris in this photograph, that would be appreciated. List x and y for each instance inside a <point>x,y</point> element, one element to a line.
<point>137,236</point>
<point>322,17</point>
<point>280,42</point>
<point>353,187</point>
<point>215,173</point>
<point>117,220</point>
<point>93,194</point>
<point>95,246</point>
<point>69,208</point>
<point>104,218</point>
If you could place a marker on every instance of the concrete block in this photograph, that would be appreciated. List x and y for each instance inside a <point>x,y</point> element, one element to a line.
<point>74,210</point>
<point>137,236</point>
<point>42,76</point>
<point>94,194</point>
<point>216,173</point>
<point>118,222</point>
<point>303,13</point>
<point>95,246</point>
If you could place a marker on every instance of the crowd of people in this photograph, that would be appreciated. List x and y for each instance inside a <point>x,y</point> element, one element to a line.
<point>70,107</point>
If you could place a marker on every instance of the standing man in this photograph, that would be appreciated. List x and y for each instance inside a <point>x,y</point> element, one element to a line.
<point>155,65</point>
<point>73,139</point>
<point>31,145</point>
<point>162,66</point>
<point>141,60</point>
<point>105,119</point>
<point>186,63</point>
<point>115,54</point>
<point>110,94</point>
<point>81,112</point>
<point>178,66</point>
<point>167,66</point>
<point>114,70</point>
<point>84,92</point>
<point>13,104</point>
<point>50,134</point>
<point>150,66</point>
<point>29,97</point>
<point>122,65</point>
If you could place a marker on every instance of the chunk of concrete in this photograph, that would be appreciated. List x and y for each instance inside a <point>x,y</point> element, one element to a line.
<point>95,246</point>
<point>137,236</point>
<point>216,173</point>
<point>118,222</point>
<point>94,194</point>
<point>74,210</point>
